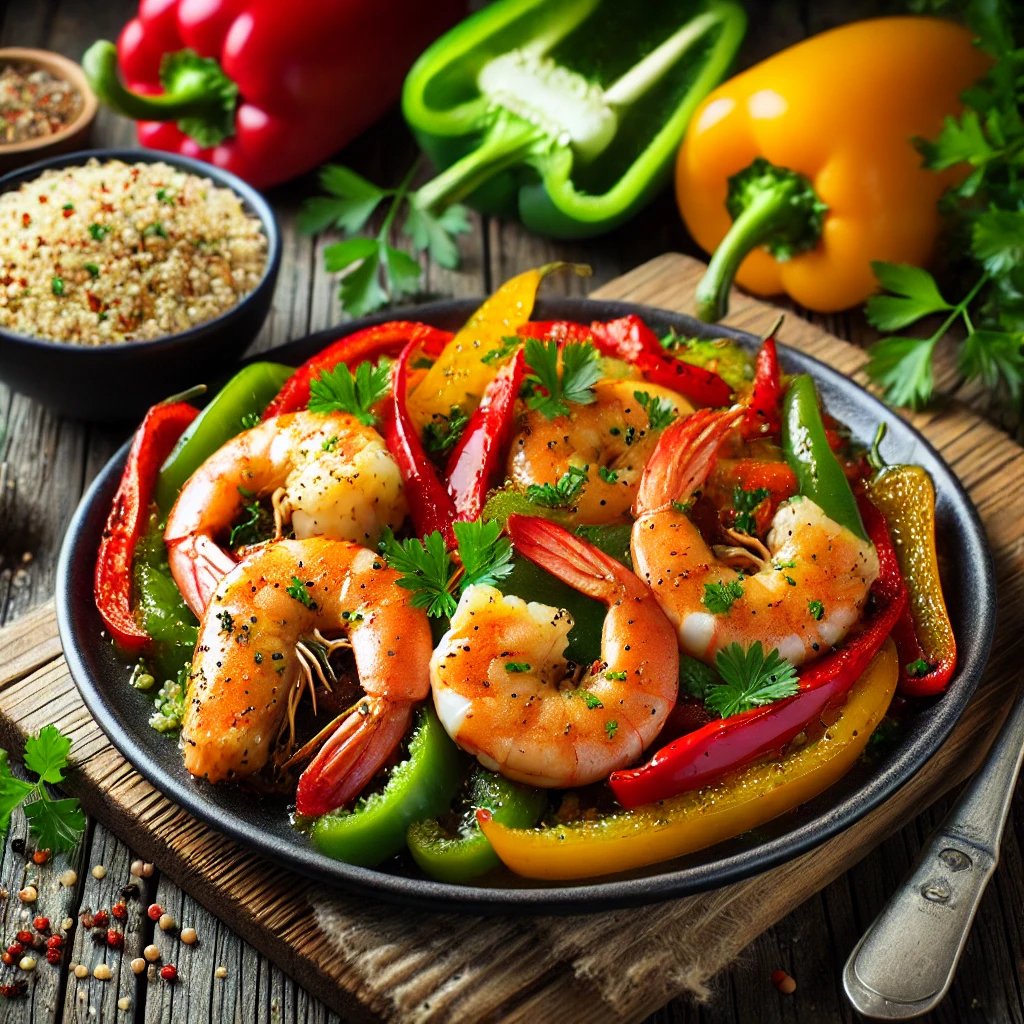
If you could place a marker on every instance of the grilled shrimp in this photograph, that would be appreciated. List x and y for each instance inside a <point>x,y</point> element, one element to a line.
<point>329,474</point>
<point>611,438</point>
<point>249,668</point>
<point>804,598</point>
<point>505,693</point>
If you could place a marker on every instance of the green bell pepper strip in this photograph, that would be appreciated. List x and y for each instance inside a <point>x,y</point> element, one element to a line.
<point>806,447</point>
<point>468,854</point>
<point>247,393</point>
<point>422,786</point>
<point>564,114</point>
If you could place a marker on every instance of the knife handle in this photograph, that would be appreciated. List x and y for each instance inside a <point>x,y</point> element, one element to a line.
<point>904,964</point>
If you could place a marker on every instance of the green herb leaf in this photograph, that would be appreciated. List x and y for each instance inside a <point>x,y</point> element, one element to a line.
<point>361,291</point>
<point>903,366</point>
<point>997,240</point>
<point>592,701</point>
<point>745,503</point>
<point>609,476</point>
<point>300,592</point>
<point>918,668</point>
<point>561,494</point>
<point>718,597</point>
<point>57,286</point>
<point>750,679</point>
<point>437,234</point>
<point>255,525</point>
<point>442,433</point>
<point>343,254</point>
<point>426,570</point>
<point>915,295</point>
<point>401,271</point>
<point>696,678</point>
<point>817,610</point>
<point>517,666</point>
<point>56,824</point>
<point>993,356</point>
<point>660,411</point>
<point>485,554</point>
<point>339,390</point>
<point>47,754</point>
<point>581,370</point>
<point>98,232</point>
<point>960,141</point>
<point>12,792</point>
<point>349,206</point>
<point>503,351</point>
<point>611,728</point>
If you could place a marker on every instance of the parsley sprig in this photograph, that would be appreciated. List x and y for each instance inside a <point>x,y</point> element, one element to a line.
<point>57,825</point>
<point>443,433</point>
<point>581,370</point>
<point>750,680</point>
<point>660,411</point>
<point>745,503</point>
<point>718,597</point>
<point>339,390</point>
<point>375,272</point>
<point>435,578</point>
<point>563,493</point>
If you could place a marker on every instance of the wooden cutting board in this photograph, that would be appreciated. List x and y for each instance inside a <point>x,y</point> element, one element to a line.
<point>372,961</point>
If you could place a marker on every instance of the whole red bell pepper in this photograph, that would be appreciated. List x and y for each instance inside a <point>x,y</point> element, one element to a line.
<point>630,339</point>
<point>476,463</point>
<point>369,344</point>
<point>264,88</point>
<point>430,504</point>
<point>112,582</point>
<point>704,755</point>
<point>764,407</point>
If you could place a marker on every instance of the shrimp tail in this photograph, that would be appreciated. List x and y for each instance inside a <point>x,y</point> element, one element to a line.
<point>197,565</point>
<point>570,558</point>
<point>684,456</point>
<point>356,751</point>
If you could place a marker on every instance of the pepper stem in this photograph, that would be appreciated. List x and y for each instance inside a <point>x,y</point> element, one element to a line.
<point>771,206</point>
<point>197,93</point>
<point>508,141</point>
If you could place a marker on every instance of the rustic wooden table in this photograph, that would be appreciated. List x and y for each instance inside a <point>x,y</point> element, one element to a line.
<point>46,462</point>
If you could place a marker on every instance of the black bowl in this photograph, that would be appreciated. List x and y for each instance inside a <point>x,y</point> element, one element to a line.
<point>263,824</point>
<point>114,382</point>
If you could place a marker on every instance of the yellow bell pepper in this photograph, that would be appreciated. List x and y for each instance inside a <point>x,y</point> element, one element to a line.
<point>460,375</point>
<point>692,821</point>
<point>800,171</point>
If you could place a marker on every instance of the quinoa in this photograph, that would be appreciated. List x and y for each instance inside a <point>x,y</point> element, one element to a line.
<point>115,252</point>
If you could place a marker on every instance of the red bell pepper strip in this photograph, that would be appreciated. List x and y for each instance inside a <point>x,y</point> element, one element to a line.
<point>478,459</point>
<point>630,339</point>
<point>369,344</point>
<point>764,408</point>
<point>112,582</point>
<point>266,89</point>
<point>720,746</point>
<point>430,504</point>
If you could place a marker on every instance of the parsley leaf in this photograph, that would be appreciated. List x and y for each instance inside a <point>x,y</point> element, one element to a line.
<point>338,390</point>
<point>56,824</point>
<point>485,554</point>
<point>918,668</point>
<point>561,494</point>
<point>903,366</point>
<point>426,569</point>
<point>817,610</point>
<point>300,592</point>
<point>437,234</point>
<point>609,476</point>
<point>611,728</point>
<point>750,680</point>
<point>12,792</point>
<point>915,295</point>
<point>255,525</point>
<point>581,370</point>
<point>443,433</point>
<point>503,351</point>
<point>349,206</point>
<point>517,666</point>
<point>745,503</point>
<point>47,754</point>
<point>660,411</point>
<point>696,678</point>
<point>718,597</point>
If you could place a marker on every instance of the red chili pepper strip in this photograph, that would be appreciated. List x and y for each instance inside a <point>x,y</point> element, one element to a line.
<point>381,340</point>
<point>556,330</point>
<point>704,755</point>
<point>430,504</point>
<point>765,404</point>
<point>478,459</point>
<point>112,583</point>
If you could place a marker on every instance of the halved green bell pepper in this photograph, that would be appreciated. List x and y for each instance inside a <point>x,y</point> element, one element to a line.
<point>422,786</point>
<point>245,396</point>
<point>565,113</point>
<point>468,853</point>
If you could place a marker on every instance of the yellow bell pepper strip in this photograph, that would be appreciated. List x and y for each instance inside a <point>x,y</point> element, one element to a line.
<point>800,171</point>
<point>924,637</point>
<point>460,375</point>
<point>694,820</point>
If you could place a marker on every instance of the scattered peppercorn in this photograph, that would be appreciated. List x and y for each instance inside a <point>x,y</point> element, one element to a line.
<point>221,972</point>
<point>130,891</point>
<point>115,939</point>
<point>25,936</point>
<point>102,972</point>
<point>124,1003</point>
<point>136,869</point>
<point>53,955</point>
<point>169,972</point>
<point>40,856</point>
<point>188,936</point>
<point>29,894</point>
<point>87,919</point>
<point>119,910</point>
<point>69,877</point>
<point>147,870</point>
<point>99,871</point>
<point>138,965</point>
<point>18,844</point>
<point>14,989</point>
<point>167,923</point>
<point>27,963</point>
<point>67,924</point>
<point>151,953</point>
<point>54,942</point>
<point>154,912</point>
<point>100,919</point>
<point>783,982</point>
<point>41,924</point>
<point>81,971</point>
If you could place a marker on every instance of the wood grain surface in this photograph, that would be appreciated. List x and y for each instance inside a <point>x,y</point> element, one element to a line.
<point>379,961</point>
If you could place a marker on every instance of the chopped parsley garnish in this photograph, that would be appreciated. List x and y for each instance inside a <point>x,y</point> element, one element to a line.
<point>502,351</point>
<point>581,370</point>
<point>918,668</point>
<point>517,666</point>
<point>660,411</point>
<point>68,206</point>
<point>817,610</point>
<point>696,678</point>
<point>611,728</point>
<point>339,390</point>
<point>592,700</point>
<point>790,580</point>
<point>94,271</point>
<point>155,229</point>
<point>56,825</point>
<point>442,433</point>
<point>330,444</point>
<point>98,232</point>
<point>745,503</point>
<point>750,680</point>
<point>427,568</point>
<point>57,286</point>
<point>256,524</point>
<point>784,565</point>
<point>298,590</point>
<point>682,506</point>
<point>561,494</point>
<point>163,195</point>
<point>227,622</point>
<point>609,476</point>
<point>718,597</point>
<point>250,420</point>
<point>620,676</point>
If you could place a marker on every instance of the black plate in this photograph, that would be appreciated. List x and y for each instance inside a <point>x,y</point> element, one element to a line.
<point>264,825</point>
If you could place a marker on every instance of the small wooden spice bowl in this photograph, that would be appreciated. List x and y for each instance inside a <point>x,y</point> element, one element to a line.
<point>70,137</point>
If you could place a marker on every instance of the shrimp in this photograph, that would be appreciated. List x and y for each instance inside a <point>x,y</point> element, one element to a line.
<point>330,475</point>
<point>250,667</point>
<point>804,595</point>
<point>505,693</point>
<point>611,439</point>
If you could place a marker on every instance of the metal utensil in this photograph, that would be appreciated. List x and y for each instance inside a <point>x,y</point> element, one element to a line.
<point>904,964</point>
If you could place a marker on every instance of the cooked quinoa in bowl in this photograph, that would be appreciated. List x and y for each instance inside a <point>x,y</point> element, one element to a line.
<point>111,252</point>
